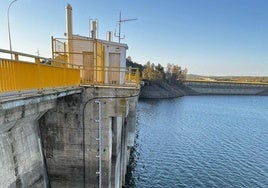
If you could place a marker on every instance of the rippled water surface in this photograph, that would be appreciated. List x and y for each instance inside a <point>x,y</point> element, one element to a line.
<point>203,141</point>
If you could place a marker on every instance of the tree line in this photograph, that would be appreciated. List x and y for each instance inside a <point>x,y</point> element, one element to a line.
<point>172,73</point>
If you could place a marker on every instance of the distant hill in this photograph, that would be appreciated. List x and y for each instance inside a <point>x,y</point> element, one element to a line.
<point>193,76</point>
<point>261,79</point>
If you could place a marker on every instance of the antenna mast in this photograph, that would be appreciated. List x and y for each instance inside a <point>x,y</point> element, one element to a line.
<point>120,21</point>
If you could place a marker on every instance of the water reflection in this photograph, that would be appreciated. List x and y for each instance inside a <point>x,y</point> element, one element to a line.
<point>209,141</point>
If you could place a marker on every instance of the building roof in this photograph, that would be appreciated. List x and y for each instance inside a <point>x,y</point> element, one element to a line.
<point>102,41</point>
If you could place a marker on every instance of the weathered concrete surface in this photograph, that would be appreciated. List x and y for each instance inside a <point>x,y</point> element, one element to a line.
<point>49,140</point>
<point>69,135</point>
<point>21,158</point>
<point>213,88</point>
<point>117,128</point>
<point>21,163</point>
<point>61,133</point>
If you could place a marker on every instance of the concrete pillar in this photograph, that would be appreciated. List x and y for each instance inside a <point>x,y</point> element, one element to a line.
<point>131,123</point>
<point>69,134</point>
<point>114,110</point>
<point>61,132</point>
<point>123,154</point>
<point>92,148</point>
<point>116,151</point>
<point>22,163</point>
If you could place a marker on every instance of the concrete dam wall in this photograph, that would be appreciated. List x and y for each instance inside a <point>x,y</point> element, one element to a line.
<point>80,139</point>
<point>159,90</point>
<point>224,88</point>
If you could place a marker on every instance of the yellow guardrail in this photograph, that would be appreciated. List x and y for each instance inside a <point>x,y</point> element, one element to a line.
<point>28,72</point>
<point>92,63</point>
<point>133,76</point>
<point>110,76</point>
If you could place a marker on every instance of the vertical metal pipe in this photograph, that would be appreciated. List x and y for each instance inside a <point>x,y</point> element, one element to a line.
<point>52,47</point>
<point>100,147</point>
<point>69,32</point>
<point>99,142</point>
<point>119,38</point>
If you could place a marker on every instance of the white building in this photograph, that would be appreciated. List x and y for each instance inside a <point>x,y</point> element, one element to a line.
<point>102,61</point>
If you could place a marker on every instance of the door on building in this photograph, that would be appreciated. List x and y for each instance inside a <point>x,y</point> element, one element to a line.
<point>99,63</point>
<point>88,64</point>
<point>114,68</point>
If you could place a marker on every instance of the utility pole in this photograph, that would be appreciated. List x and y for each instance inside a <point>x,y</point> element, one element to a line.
<point>8,25</point>
<point>120,21</point>
<point>37,52</point>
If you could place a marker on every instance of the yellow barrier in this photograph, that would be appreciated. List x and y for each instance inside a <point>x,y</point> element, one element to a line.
<point>40,73</point>
<point>92,61</point>
<point>132,76</point>
<point>116,76</point>
<point>18,75</point>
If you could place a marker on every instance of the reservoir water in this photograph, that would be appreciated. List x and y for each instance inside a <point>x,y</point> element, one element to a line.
<point>201,141</point>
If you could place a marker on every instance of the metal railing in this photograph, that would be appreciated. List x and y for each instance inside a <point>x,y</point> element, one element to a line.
<point>29,72</point>
<point>90,55</point>
<point>110,76</point>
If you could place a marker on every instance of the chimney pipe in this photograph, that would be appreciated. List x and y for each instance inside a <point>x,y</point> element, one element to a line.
<point>69,22</point>
<point>109,36</point>
<point>93,27</point>
<point>69,30</point>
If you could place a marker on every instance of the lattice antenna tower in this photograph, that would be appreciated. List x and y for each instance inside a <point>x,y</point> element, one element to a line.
<point>120,21</point>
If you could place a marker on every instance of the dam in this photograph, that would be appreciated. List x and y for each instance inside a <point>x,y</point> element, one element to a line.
<point>68,121</point>
<point>225,88</point>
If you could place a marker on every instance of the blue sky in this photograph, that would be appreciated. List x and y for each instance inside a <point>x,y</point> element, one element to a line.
<point>208,37</point>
